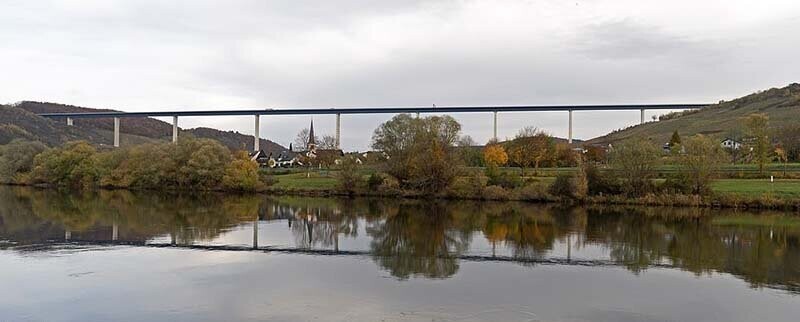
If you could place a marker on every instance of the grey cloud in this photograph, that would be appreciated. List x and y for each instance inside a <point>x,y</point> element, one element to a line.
<point>144,55</point>
<point>626,39</point>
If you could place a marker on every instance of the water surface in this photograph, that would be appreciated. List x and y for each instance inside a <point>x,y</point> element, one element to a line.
<point>117,255</point>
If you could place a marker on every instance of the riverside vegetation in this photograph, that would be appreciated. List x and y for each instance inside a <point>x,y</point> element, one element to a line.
<point>428,158</point>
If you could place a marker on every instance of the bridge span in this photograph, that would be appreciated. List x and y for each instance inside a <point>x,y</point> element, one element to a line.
<point>257,113</point>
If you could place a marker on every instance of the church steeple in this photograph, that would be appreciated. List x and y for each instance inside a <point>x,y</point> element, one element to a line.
<point>312,143</point>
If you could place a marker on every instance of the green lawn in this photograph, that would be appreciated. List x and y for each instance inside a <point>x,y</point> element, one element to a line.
<point>316,181</point>
<point>783,188</point>
<point>757,187</point>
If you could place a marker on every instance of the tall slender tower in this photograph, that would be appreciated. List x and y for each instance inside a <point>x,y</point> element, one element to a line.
<point>312,143</point>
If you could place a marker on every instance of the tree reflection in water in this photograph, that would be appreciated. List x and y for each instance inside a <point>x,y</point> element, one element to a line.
<point>416,238</point>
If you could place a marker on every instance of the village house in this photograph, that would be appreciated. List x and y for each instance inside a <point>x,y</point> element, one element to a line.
<point>731,144</point>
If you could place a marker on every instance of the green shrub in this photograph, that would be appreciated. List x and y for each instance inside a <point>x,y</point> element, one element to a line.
<point>72,165</point>
<point>599,183</point>
<point>17,157</point>
<point>469,187</point>
<point>374,181</point>
<point>348,176</point>
<point>533,192</point>
<point>635,162</point>
<point>502,178</point>
<point>675,185</point>
<point>241,174</point>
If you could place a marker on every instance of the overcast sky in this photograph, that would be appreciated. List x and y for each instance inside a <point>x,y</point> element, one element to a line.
<point>180,55</point>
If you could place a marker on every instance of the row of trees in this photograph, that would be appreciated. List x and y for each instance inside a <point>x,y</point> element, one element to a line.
<point>424,156</point>
<point>192,164</point>
<point>757,143</point>
<point>635,162</point>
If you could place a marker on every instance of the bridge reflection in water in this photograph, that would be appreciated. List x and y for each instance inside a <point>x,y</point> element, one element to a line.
<point>413,238</point>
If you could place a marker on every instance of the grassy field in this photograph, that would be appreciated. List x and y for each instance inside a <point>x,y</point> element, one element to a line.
<point>729,170</point>
<point>781,188</point>
<point>314,181</point>
<point>785,188</point>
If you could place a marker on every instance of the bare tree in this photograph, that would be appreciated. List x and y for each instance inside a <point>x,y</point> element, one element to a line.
<point>301,141</point>
<point>327,142</point>
<point>466,141</point>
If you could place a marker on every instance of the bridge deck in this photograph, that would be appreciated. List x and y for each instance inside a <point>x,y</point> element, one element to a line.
<point>380,110</point>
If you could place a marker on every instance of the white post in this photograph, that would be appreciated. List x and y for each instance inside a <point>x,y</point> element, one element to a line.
<point>69,121</point>
<point>257,137</point>
<point>114,232</point>
<point>175,129</point>
<point>116,132</point>
<point>641,116</point>
<point>494,133</point>
<point>338,130</point>
<point>570,127</point>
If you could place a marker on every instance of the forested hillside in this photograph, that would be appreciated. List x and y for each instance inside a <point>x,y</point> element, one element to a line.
<point>19,121</point>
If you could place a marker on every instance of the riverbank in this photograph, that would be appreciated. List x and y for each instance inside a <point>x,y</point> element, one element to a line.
<point>726,193</point>
<point>731,201</point>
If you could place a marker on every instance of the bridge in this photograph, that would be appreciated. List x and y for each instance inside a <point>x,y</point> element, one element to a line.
<point>257,113</point>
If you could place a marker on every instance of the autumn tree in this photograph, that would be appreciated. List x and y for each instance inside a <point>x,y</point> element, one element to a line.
<point>782,157</point>
<point>758,131</point>
<point>530,147</point>
<point>565,156</point>
<point>789,137</point>
<point>596,154</point>
<point>635,162</point>
<point>700,163</point>
<point>241,174</point>
<point>420,150</point>
<point>494,155</point>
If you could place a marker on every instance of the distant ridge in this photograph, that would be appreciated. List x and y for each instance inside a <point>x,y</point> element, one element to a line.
<point>19,121</point>
<point>782,105</point>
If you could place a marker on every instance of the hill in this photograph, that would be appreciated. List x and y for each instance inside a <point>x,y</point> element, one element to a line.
<point>782,105</point>
<point>20,120</point>
<point>19,123</point>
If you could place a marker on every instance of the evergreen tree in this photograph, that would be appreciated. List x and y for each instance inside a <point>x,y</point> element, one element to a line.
<point>675,140</point>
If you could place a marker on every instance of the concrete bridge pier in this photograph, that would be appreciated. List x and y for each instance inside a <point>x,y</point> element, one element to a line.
<point>494,129</point>
<point>338,130</point>
<point>256,135</point>
<point>569,136</point>
<point>116,132</point>
<point>641,116</point>
<point>69,121</point>
<point>175,129</point>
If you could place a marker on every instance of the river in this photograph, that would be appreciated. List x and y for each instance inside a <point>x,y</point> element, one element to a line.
<point>124,256</point>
